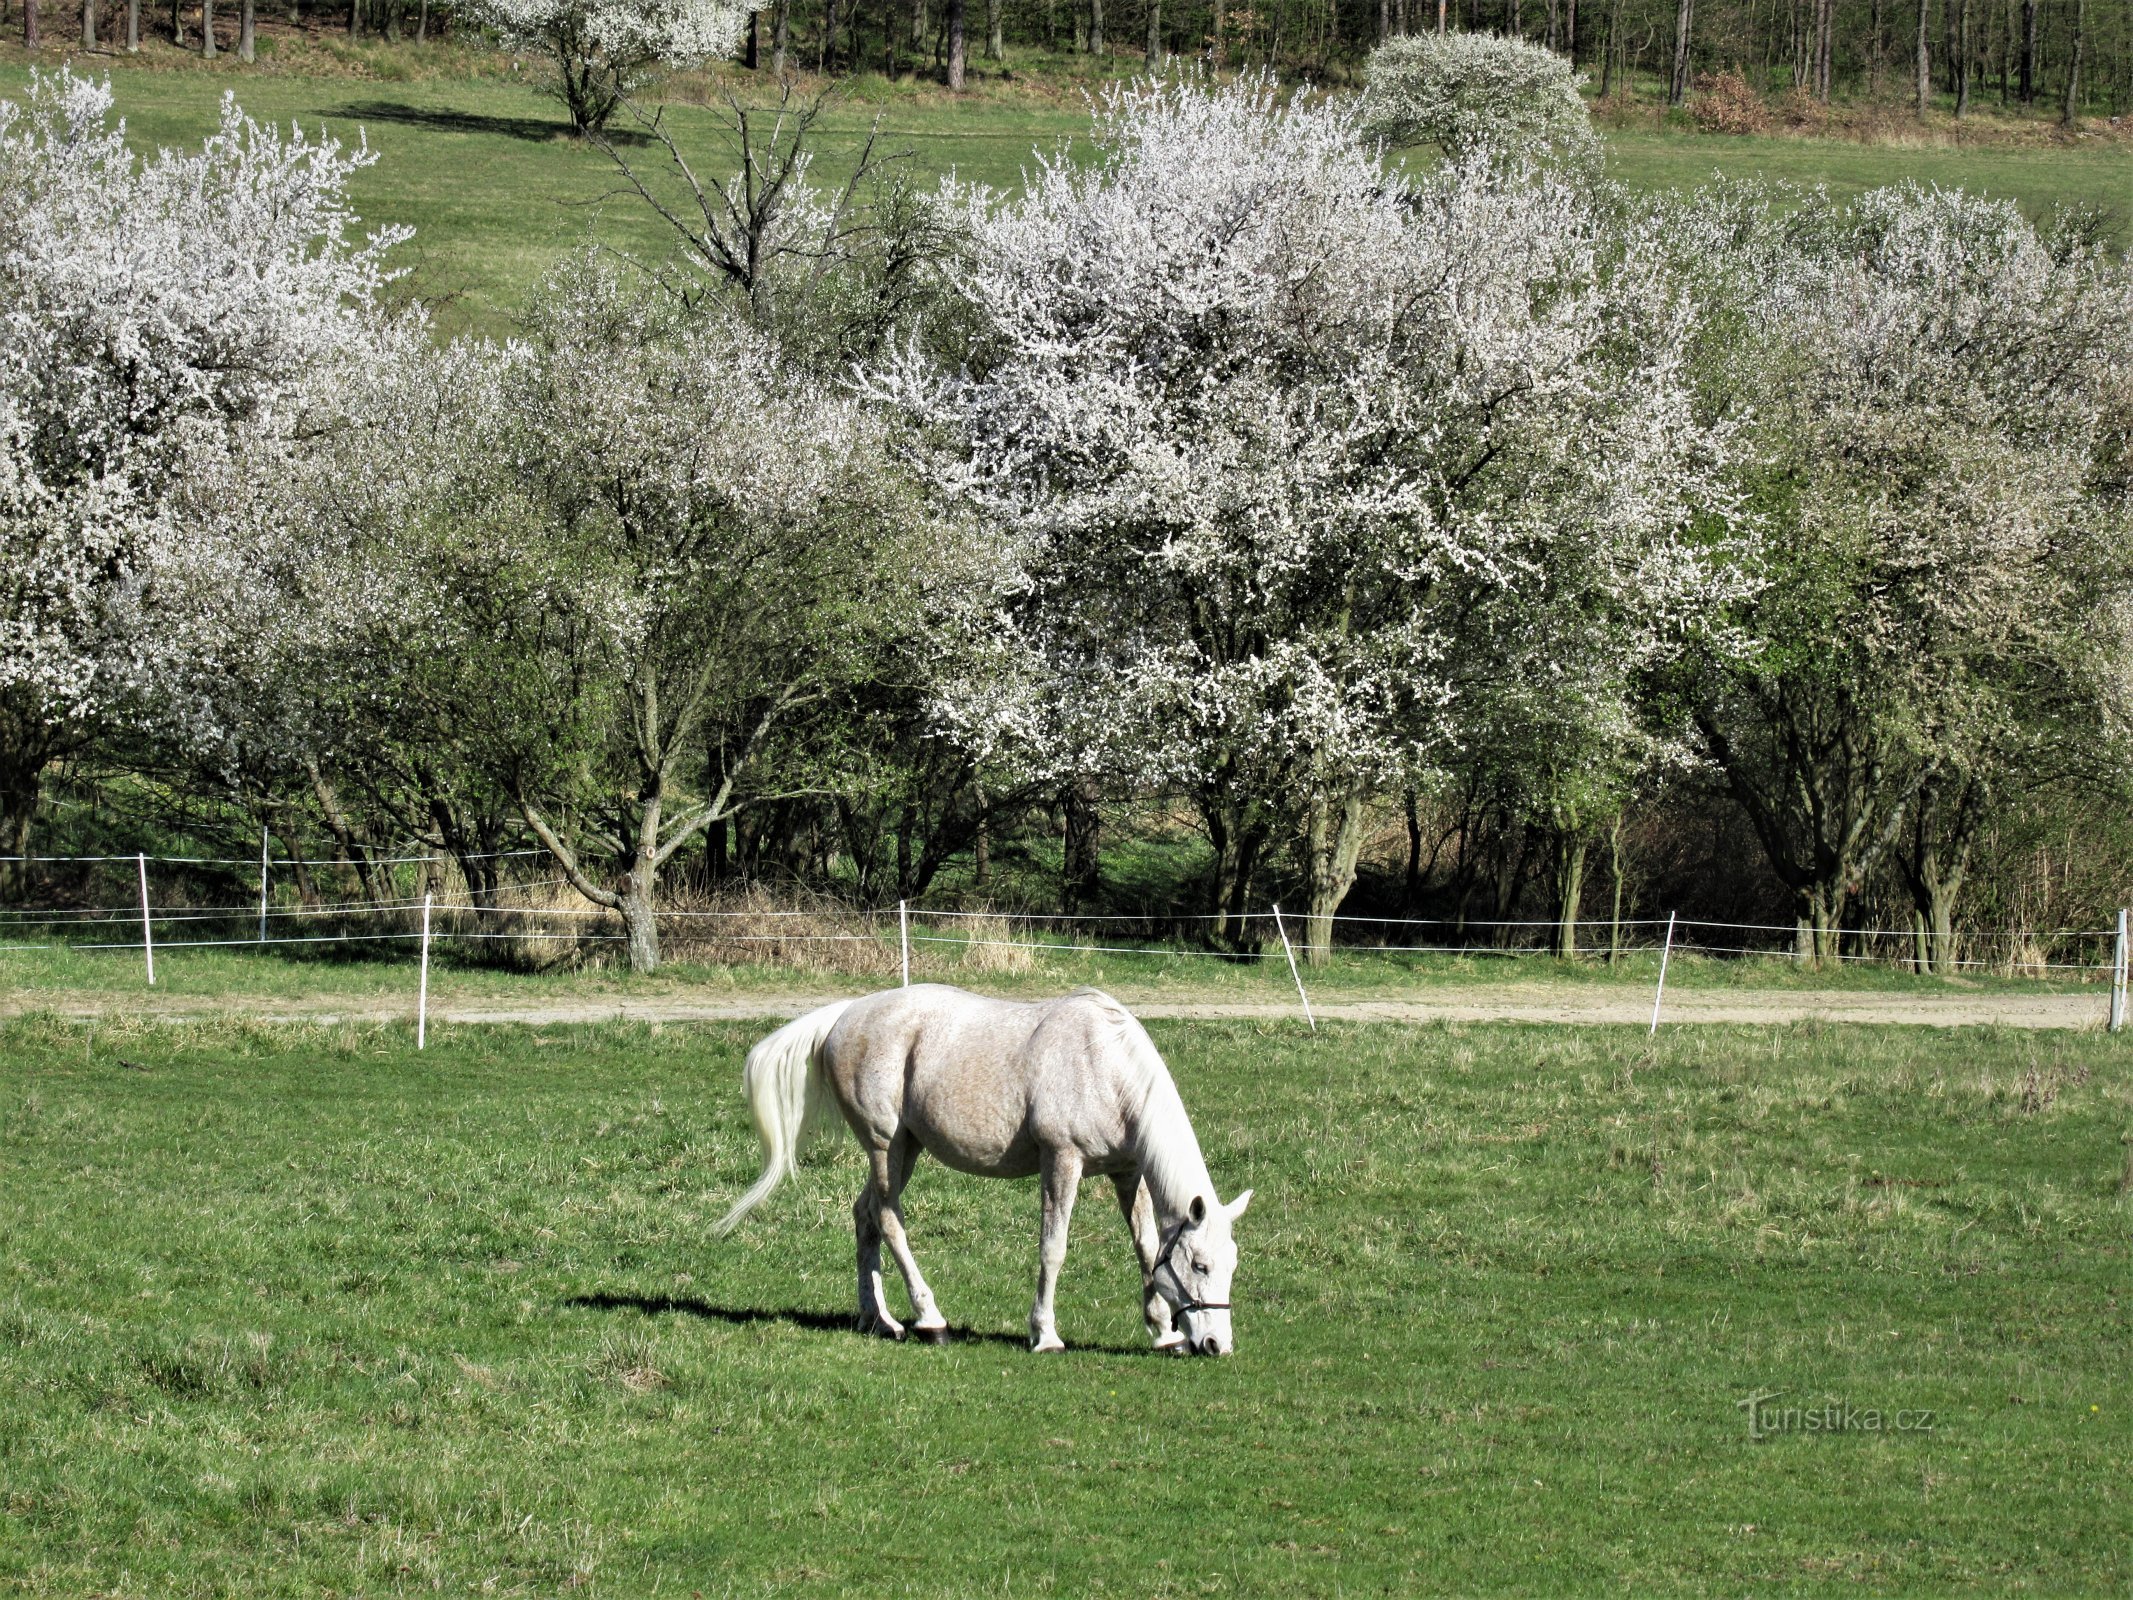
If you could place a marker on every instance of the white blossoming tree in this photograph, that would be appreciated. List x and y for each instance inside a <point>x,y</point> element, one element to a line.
<point>1933,384</point>
<point>1279,439</point>
<point>1464,92</point>
<point>157,311</point>
<point>610,568</point>
<point>600,50</point>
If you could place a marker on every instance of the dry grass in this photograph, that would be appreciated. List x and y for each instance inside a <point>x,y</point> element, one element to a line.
<point>750,926</point>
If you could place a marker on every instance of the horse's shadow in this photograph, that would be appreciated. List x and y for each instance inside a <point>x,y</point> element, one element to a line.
<point>796,1317</point>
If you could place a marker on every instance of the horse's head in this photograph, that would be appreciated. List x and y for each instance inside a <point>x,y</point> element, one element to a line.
<point>1193,1273</point>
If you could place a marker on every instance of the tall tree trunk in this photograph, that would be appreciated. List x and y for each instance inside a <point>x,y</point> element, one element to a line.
<point>1096,27</point>
<point>1877,47</point>
<point>1962,60</point>
<point>177,23</point>
<point>29,25</point>
<point>88,24</point>
<point>995,39</point>
<point>1570,849</point>
<point>753,58</point>
<point>1333,839</point>
<point>355,19</point>
<point>780,35</point>
<point>1081,878</point>
<point>207,30</point>
<point>246,37</point>
<point>1684,19</point>
<point>2073,64</point>
<point>2028,73</point>
<point>918,27</point>
<point>1238,833</point>
<point>1614,872</point>
<point>1155,30</point>
<point>133,27</point>
<point>956,46</point>
<point>1924,59</point>
<point>1384,19</point>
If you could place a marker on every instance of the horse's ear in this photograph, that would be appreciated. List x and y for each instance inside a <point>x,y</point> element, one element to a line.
<point>1196,1213</point>
<point>1236,1207</point>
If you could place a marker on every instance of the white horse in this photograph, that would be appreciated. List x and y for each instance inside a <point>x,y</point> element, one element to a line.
<point>1060,1088</point>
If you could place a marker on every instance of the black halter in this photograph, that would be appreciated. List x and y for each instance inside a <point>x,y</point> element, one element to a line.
<point>1184,1305</point>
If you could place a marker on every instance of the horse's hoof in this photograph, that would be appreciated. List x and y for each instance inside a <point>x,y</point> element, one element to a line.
<point>1045,1346</point>
<point>932,1335</point>
<point>882,1330</point>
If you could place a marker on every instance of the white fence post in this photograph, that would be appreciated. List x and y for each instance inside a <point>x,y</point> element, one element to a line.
<point>1298,976</point>
<point>903,936</point>
<point>422,989</point>
<point>2118,975</point>
<point>262,885</point>
<point>148,939</point>
<point>1660,993</point>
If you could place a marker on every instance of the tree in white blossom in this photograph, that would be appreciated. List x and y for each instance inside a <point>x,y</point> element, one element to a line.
<point>1281,440</point>
<point>600,50</point>
<point>1947,521</point>
<point>156,311</point>
<point>610,566</point>
<point>1466,92</point>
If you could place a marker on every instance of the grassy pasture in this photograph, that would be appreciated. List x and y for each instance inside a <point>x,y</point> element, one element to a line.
<point>481,166</point>
<point>290,1310</point>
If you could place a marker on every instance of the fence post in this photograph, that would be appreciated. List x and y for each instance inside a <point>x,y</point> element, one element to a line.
<point>422,989</point>
<point>903,936</point>
<point>1659,994</point>
<point>1288,951</point>
<point>262,885</point>
<point>2118,975</point>
<point>148,940</point>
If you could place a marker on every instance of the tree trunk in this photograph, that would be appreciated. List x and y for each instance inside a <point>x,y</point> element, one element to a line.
<point>1333,838</point>
<point>1614,868</point>
<point>640,922</point>
<point>1570,848</point>
<point>207,30</point>
<point>1082,876</point>
<point>18,810</point>
<point>1238,834</point>
<point>918,27</point>
<point>246,36</point>
<point>1155,29</point>
<point>2028,73</point>
<point>1684,19</point>
<point>1096,27</point>
<point>1925,59</point>
<point>981,842</point>
<point>1962,60</point>
<point>29,25</point>
<point>133,27</point>
<point>995,39</point>
<point>88,24</point>
<point>2073,64</point>
<point>956,45</point>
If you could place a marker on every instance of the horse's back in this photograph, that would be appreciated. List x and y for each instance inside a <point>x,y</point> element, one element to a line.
<point>983,1084</point>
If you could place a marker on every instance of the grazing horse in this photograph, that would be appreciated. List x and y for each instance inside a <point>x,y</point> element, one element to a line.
<point>1060,1088</point>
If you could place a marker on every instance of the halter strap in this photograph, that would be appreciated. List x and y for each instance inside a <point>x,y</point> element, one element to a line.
<point>1185,1304</point>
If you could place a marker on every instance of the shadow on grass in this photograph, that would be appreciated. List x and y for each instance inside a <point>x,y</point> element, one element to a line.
<point>535,130</point>
<point>793,1317</point>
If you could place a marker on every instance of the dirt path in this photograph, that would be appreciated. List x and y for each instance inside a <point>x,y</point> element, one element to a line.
<point>1511,1002</point>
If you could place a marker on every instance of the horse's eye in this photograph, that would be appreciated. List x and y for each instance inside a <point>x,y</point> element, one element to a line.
<point>1198,1265</point>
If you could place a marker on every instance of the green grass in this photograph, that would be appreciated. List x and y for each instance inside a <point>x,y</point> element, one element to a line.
<point>306,979</point>
<point>295,1311</point>
<point>481,166</point>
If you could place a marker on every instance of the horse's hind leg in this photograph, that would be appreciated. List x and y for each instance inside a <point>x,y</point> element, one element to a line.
<point>867,1231</point>
<point>1139,1210</point>
<point>902,1156</point>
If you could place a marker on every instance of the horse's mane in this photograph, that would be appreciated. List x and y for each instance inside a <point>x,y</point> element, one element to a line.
<point>1170,1150</point>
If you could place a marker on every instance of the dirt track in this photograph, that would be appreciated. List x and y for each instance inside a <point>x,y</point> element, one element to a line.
<point>1511,1002</point>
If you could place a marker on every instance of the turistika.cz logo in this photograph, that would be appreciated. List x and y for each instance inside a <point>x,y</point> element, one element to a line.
<point>1767,1419</point>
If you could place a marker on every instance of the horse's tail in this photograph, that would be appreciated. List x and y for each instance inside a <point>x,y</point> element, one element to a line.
<point>789,1099</point>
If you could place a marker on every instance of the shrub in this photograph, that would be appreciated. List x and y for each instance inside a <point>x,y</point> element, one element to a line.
<point>1726,102</point>
<point>1464,91</point>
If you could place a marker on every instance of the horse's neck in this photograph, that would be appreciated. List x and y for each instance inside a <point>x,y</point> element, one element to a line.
<point>1169,1153</point>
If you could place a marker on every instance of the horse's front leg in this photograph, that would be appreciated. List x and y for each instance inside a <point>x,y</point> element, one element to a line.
<point>1139,1209</point>
<point>1061,1177</point>
<point>903,1156</point>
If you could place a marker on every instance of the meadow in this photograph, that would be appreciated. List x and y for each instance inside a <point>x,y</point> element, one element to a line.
<point>291,1310</point>
<point>481,165</point>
